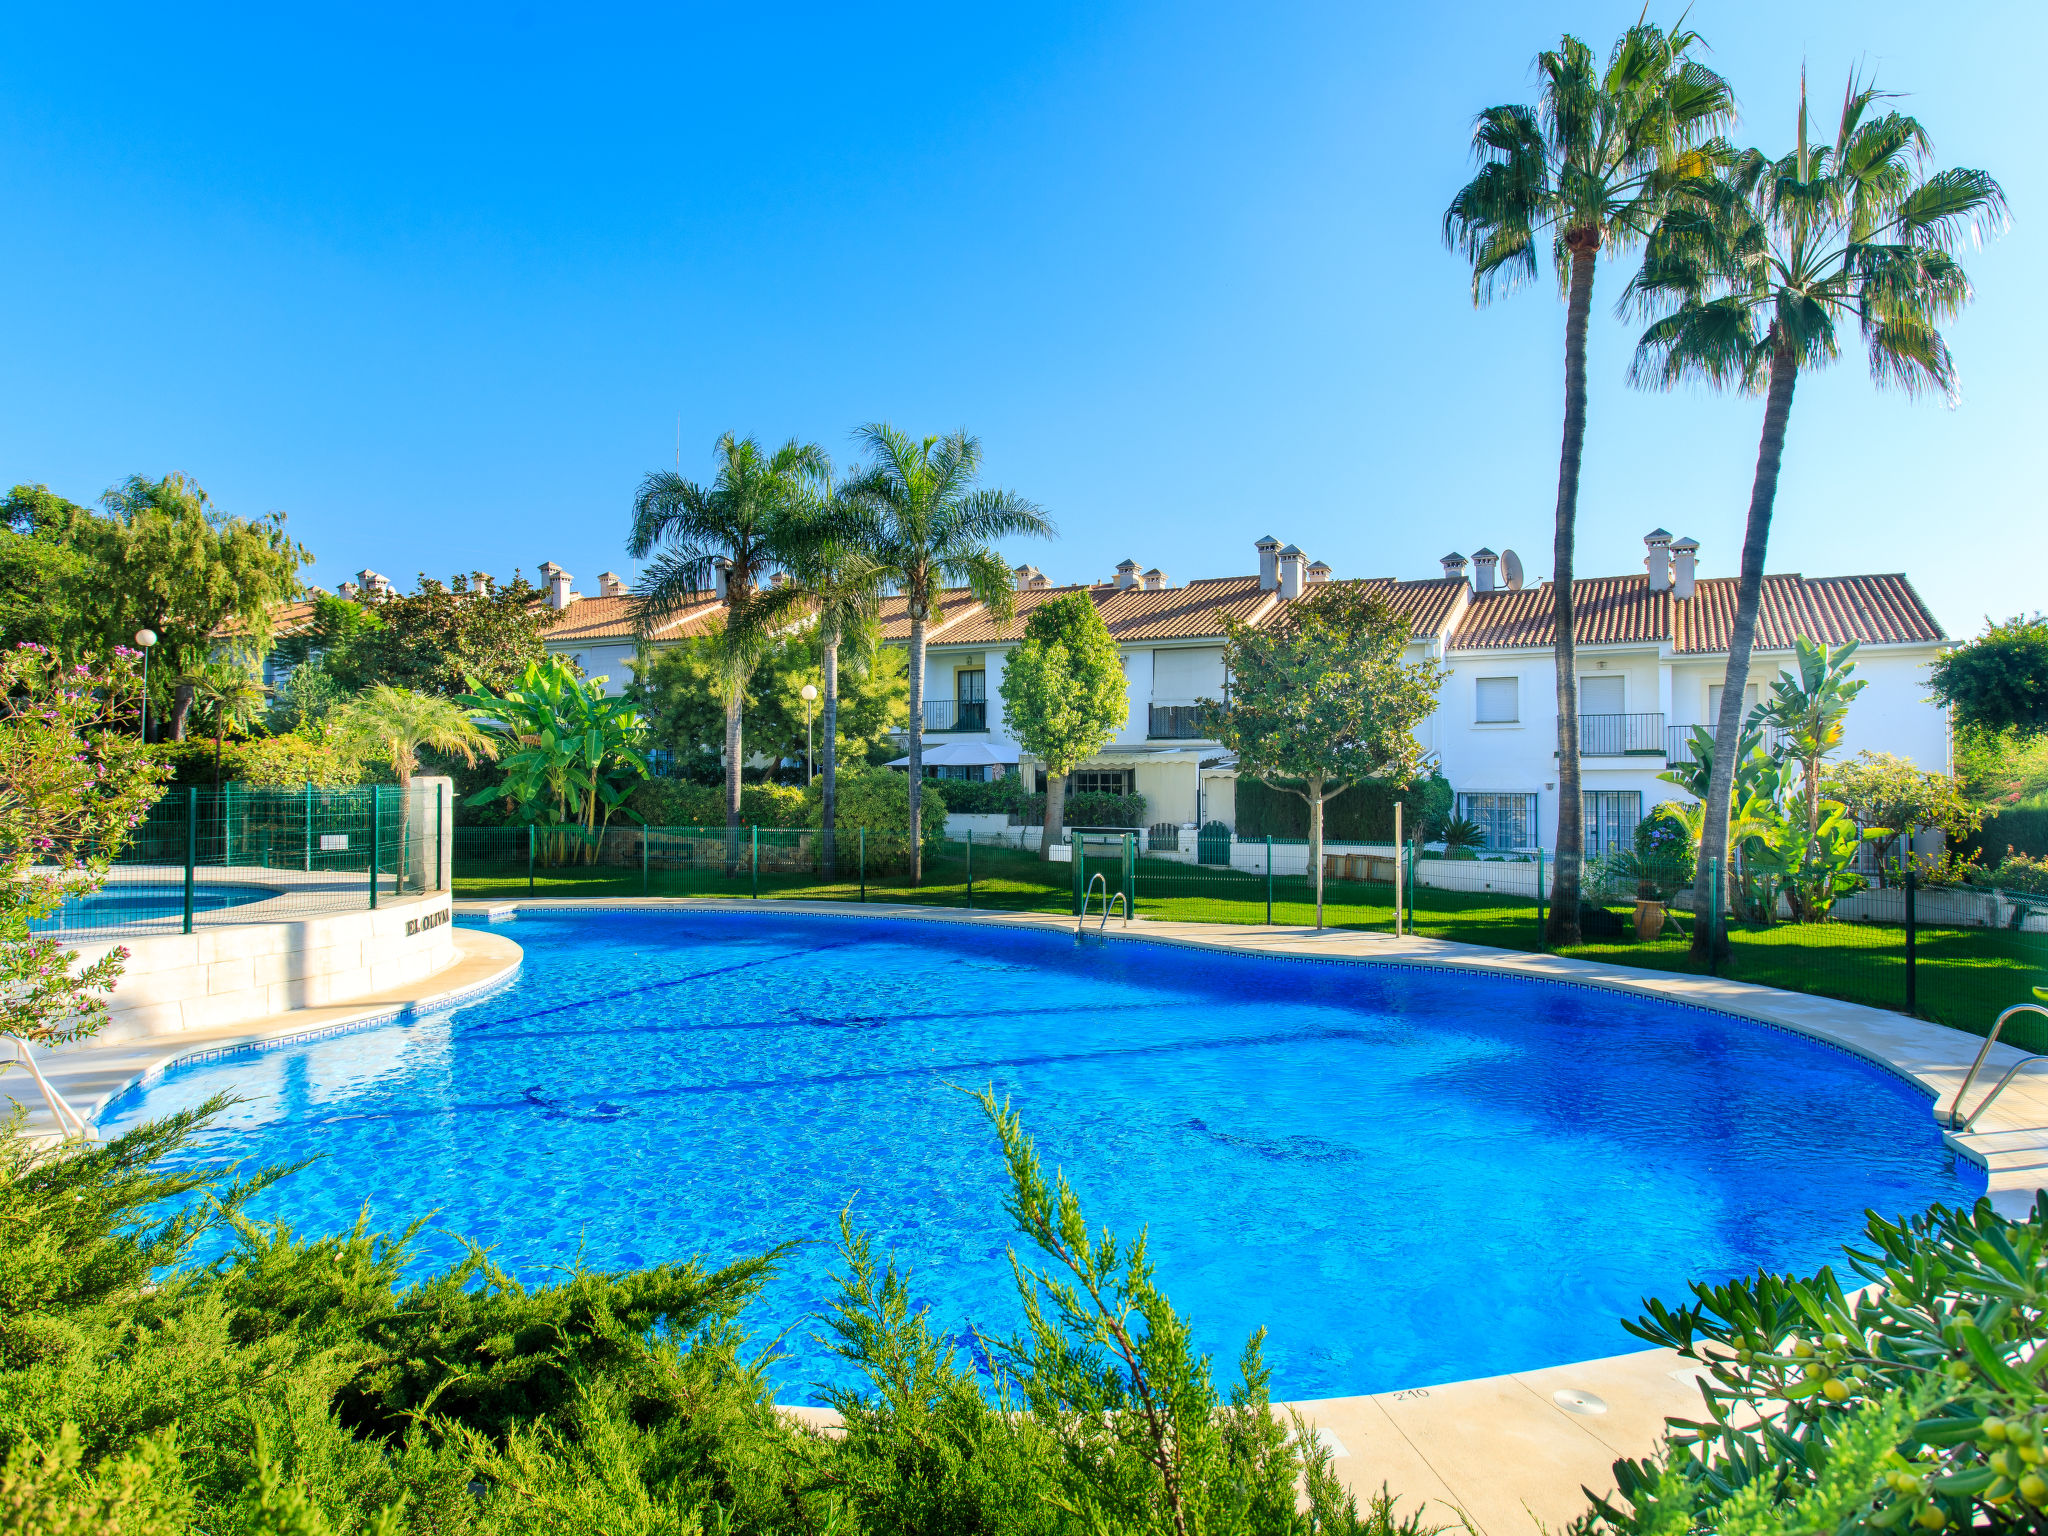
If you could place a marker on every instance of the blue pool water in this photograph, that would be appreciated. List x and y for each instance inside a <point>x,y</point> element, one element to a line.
<point>140,902</point>
<point>1407,1176</point>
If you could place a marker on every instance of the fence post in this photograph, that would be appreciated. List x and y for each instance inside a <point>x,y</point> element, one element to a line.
<point>227,825</point>
<point>309,826</point>
<point>191,849</point>
<point>1269,879</point>
<point>1542,928</point>
<point>1397,869</point>
<point>1130,875</point>
<point>757,863</point>
<point>643,858</point>
<point>1912,922</point>
<point>1714,917</point>
<point>376,835</point>
<point>863,863</point>
<point>970,869</point>
<point>1079,861</point>
<point>440,832</point>
<point>530,839</point>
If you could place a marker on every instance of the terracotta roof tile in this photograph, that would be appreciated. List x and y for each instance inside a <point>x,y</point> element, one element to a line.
<point>611,618</point>
<point>1424,604</point>
<point>1609,610</point>
<point>1876,610</point>
<point>954,606</point>
<point>1195,611</point>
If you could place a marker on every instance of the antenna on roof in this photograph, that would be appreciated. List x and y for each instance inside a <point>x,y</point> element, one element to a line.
<point>1511,569</point>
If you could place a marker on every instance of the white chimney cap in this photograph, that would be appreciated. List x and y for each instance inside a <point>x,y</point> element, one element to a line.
<point>1688,542</point>
<point>1292,549</point>
<point>1127,565</point>
<point>1657,536</point>
<point>1454,564</point>
<point>1268,542</point>
<point>548,568</point>
<point>1483,553</point>
<point>1319,565</point>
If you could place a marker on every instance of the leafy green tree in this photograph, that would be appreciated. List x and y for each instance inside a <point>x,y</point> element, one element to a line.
<point>396,724</point>
<point>878,800</point>
<point>1998,681</point>
<point>228,695</point>
<point>74,780</point>
<point>1065,695</point>
<point>727,538</point>
<point>441,639</point>
<point>1324,696</point>
<point>162,557</point>
<point>1751,274</point>
<point>571,755</point>
<point>1809,708</point>
<point>1591,166</point>
<point>926,527</point>
<point>1881,790</point>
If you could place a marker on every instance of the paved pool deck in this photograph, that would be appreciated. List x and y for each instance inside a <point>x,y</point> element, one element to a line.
<point>1509,1454</point>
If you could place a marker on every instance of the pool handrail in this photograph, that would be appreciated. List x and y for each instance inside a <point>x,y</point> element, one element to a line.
<point>1955,1107</point>
<point>1108,896</point>
<point>69,1121</point>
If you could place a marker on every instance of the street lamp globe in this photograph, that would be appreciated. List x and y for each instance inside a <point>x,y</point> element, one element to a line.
<point>145,638</point>
<point>810,692</point>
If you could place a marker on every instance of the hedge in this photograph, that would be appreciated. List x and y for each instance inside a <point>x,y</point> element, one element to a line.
<point>1362,814</point>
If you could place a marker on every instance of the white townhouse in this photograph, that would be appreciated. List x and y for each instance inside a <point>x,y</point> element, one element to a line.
<point>1652,650</point>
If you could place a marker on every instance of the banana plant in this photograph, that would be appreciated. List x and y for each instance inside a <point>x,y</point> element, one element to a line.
<point>572,755</point>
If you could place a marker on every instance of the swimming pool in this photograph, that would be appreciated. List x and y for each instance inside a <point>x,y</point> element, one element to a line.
<point>1408,1176</point>
<point>123,903</point>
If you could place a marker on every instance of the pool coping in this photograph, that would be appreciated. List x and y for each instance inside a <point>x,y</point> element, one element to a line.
<point>1506,1454</point>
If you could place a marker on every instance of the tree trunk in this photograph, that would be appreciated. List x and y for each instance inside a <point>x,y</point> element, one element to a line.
<point>181,710</point>
<point>1055,812</point>
<point>216,762</point>
<point>1315,841</point>
<point>916,749</point>
<point>829,821</point>
<point>1571,805</point>
<point>1707,943</point>
<point>734,702</point>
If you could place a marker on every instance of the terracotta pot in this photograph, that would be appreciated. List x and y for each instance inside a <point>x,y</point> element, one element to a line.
<point>1649,920</point>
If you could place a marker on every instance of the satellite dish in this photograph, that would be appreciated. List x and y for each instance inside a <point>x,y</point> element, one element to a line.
<point>1511,569</point>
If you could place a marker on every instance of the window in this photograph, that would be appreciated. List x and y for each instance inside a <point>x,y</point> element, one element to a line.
<point>1097,781</point>
<point>971,687</point>
<point>1500,700</point>
<point>1603,695</point>
<point>1714,702</point>
<point>1611,817</point>
<point>1507,821</point>
<point>1181,677</point>
<point>973,773</point>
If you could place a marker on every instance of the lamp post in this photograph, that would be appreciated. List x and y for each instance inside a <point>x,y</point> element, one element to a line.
<point>146,638</point>
<point>810,693</point>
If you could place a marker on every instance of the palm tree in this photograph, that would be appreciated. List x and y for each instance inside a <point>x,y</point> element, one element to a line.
<point>230,694</point>
<point>927,527</point>
<point>737,528</point>
<point>1591,164</point>
<point>396,723</point>
<point>1752,272</point>
<point>829,564</point>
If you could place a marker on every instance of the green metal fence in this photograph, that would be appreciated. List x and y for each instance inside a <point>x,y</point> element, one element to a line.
<point>203,858</point>
<point>1957,956</point>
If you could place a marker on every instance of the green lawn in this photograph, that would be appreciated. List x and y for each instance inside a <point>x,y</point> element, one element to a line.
<point>1964,975</point>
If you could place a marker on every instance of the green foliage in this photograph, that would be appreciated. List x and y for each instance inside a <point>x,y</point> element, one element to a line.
<point>301,1387</point>
<point>2002,770</point>
<point>397,724</point>
<point>2020,872</point>
<point>1661,840</point>
<point>1999,681</point>
<point>990,797</point>
<point>1364,814</point>
<point>571,755</point>
<point>74,781</point>
<point>308,694</point>
<point>323,758</point>
<point>1881,790</point>
<point>679,803</point>
<point>467,635</point>
<point>1924,1395</point>
<point>161,557</point>
<point>1090,810</point>
<point>1064,692</point>
<point>879,800</point>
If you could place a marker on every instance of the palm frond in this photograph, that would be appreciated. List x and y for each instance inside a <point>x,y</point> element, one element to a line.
<point>1952,204</point>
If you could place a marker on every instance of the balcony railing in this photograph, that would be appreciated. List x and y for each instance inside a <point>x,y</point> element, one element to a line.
<point>955,715</point>
<point>1621,735</point>
<point>1678,740</point>
<point>1178,722</point>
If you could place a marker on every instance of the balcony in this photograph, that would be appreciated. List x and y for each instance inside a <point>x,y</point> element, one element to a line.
<point>1678,740</point>
<point>1621,735</point>
<point>941,715</point>
<point>1178,722</point>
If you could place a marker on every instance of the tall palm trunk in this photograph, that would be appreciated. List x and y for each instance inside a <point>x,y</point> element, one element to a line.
<point>1571,804</point>
<point>734,702</point>
<point>916,748</point>
<point>1708,941</point>
<point>829,821</point>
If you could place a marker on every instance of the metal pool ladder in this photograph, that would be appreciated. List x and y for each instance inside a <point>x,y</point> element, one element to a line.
<point>69,1123</point>
<point>1108,896</point>
<point>1955,1109</point>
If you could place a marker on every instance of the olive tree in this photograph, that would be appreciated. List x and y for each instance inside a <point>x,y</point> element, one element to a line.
<point>1324,695</point>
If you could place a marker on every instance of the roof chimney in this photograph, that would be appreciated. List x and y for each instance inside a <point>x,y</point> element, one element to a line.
<point>559,595</point>
<point>720,567</point>
<point>348,590</point>
<point>1126,574</point>
<point>609,585</point>
<point>1269,568</point>
<point>1039,580</point>
<point>1154,580</point>
<point>1454,566</point>
<point>1318,573</point>
<point>373,584</point>
<point>1292,577</point>
<point>1658,561</point>
<point>1484,563</point>
<point>1686,554</point>
<point>1023,575</point>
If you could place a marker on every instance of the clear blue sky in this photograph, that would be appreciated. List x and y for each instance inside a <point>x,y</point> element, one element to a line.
<point>441,288</point>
